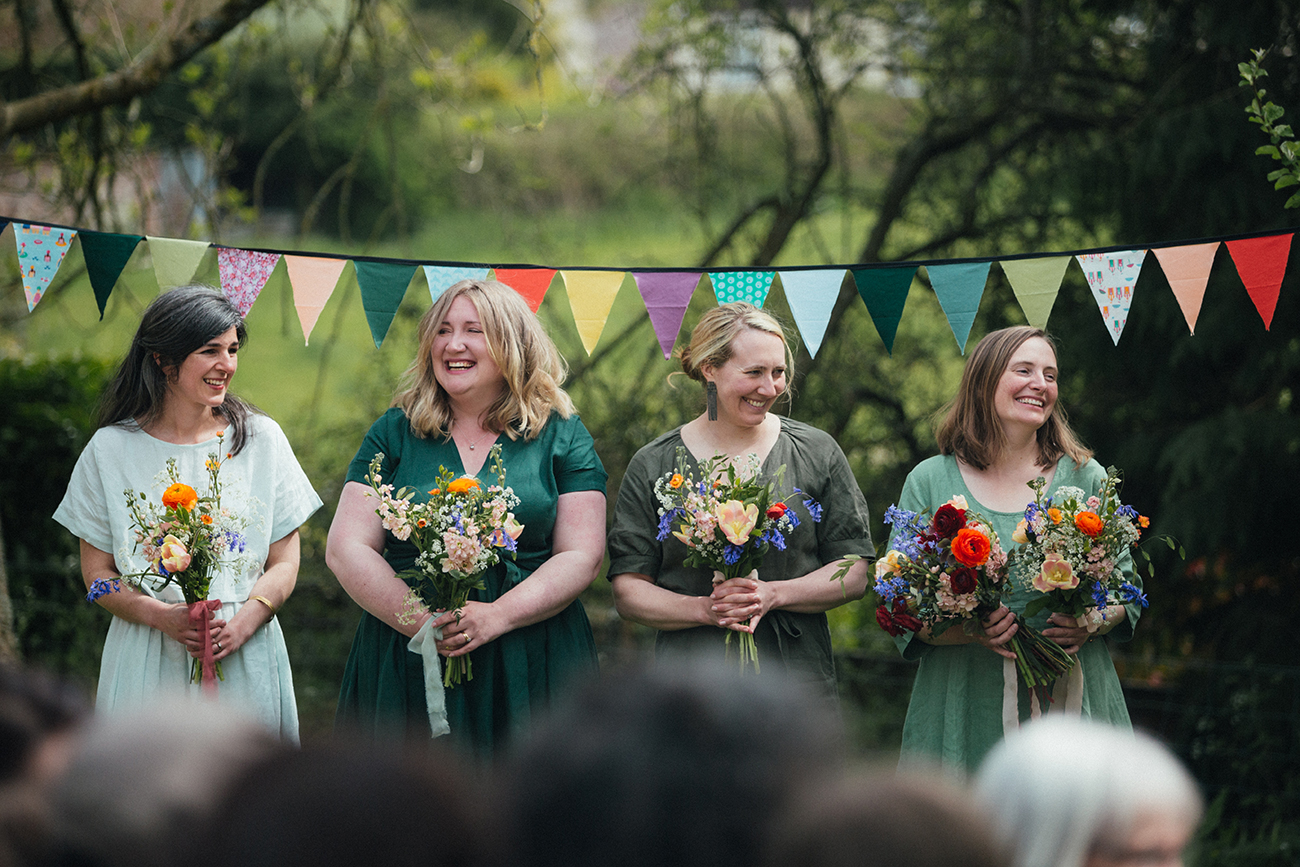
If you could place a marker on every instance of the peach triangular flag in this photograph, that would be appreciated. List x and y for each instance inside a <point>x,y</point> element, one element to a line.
<point>313,280</point>
<point>591,296</point>
<point>175,260</point>
<point>1187,269</point>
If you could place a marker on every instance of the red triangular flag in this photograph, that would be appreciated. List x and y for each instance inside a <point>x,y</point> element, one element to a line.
<point>531,283</point>
<point>1261,263</point>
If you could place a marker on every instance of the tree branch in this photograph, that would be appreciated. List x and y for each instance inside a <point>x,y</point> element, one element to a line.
<point>121,86</point>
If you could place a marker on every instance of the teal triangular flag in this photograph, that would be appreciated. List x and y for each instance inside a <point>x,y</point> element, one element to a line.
<point>959,287</point>
<point>383,285</point>
<point>106,254</point>
<point>442,277</point>
<point>811,296</point>
<point>884,291</point>
<point>751,286</point>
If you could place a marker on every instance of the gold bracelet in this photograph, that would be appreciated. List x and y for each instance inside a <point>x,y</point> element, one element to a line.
<point>264,601</point>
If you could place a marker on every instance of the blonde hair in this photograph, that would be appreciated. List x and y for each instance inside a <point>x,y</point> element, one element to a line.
<point>712,337</point>
<point>970,428</point>
<point>531,366</point>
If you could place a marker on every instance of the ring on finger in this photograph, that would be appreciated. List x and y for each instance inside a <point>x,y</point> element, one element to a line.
<point>467,638</point>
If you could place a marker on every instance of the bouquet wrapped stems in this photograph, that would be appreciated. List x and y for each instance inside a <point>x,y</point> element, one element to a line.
<point>744,640</point>
<point>1039,660</point>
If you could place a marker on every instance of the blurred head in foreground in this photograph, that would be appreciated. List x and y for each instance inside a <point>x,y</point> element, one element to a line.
<point>678,765</point>
<point>1066,792</point>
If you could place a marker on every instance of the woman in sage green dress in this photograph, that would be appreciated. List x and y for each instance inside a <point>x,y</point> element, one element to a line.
<point>740,354</point>
<point>485,373</point>
<point>1004,429</point>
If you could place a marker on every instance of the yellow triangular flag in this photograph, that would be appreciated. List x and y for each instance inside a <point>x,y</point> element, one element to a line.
<point>591,296</point>
<point>1036,283</point>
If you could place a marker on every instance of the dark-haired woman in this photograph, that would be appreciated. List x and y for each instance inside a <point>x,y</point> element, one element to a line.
<point>1004,429</point>
<point>170,400</point>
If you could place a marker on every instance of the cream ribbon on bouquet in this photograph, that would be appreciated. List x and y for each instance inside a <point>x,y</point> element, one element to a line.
<point>1067,692</point>
<point>425,643</point>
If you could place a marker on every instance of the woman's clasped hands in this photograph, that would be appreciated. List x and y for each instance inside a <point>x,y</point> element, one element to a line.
<point>740,603</point>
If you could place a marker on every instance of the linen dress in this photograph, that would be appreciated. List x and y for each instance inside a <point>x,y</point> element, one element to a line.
<point>520,673</point>
<point>797,644</point>
<point>263,483</point>
<point>955,713</point>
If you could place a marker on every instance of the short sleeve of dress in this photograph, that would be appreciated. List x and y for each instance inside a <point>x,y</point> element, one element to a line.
<point>85,506</point>
<point>632,543</point>
<point>295,499</point>
<point>577,466</point>
<point>845,526</point>
<point>384,437</point>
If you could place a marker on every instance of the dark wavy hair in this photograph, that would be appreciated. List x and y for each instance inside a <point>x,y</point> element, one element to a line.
<point>177,323</point>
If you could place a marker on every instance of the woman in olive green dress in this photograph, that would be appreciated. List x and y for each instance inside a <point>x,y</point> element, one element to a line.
<point>486,373</point>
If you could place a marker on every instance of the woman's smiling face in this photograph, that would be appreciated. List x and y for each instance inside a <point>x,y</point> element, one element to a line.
<point>751,380</point>
<point>204,376</point>
<point>1026,393</point>
<point>462,363</point>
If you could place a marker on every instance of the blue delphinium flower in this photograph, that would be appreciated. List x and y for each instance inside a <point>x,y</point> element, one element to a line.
<point>666,524</point>
<point>102,587</point>
<point>1127,512</point>
<point>1130,593</point>
<point>731,554</point>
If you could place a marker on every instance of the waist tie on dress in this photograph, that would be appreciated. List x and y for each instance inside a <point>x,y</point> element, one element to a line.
<point>1067,695</point>
<point>786,628</point>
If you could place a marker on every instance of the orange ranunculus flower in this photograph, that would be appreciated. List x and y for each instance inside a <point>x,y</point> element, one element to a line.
<point>207,519</point>
<point>1089,523</point>
<point>676,481</point>
<point>1055,515</point>
<point>180,496</point>
<point>463,485</point>
<point>971,547</point>
<point>1144,521</point>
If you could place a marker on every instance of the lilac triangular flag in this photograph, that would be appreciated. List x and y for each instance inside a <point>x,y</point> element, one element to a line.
<point>1111,277</point>
<point>442,277</point>
<point>40,253</point>
<point>666,294</point>
<point>959,288</point>
<point>811,295</point>
<point>243,274</point>
<point>751,286</point>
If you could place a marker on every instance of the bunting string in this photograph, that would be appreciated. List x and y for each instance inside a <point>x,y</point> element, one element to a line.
<point>1260,260</point>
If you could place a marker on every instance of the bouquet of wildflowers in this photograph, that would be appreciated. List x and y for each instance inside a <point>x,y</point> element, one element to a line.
<point>1070,547</point>
<point>460,532</point>
<point>186,538</point>
<point>950,569</point>
<point>728,519</point>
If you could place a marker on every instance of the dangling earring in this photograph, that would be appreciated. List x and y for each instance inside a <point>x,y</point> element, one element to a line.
<point>711,399</point>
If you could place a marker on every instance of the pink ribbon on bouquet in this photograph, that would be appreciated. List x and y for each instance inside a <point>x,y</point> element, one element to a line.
<point>201,617</point>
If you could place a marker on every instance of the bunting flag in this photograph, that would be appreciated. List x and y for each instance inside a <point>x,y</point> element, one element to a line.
<point>442,277</point>
<point>959,288</point>
<point>1187,269</point>
<point>312,279</point>
<point>884,291</point>
<point>591,296</point>
<point>106,254</point>
<point>531,283</point>
<point>243,274</point>
<point>40,253</point>
<point>811,295</point>
<point>383,286</point>
<point>666,295</point>
<point>1261,264</point>
<point>1111,277</point>
<point>751,286</point>
<point>1036,283</point>
<point>175,261</point>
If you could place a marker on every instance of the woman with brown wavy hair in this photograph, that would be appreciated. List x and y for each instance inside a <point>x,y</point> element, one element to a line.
<point>1004,429</point>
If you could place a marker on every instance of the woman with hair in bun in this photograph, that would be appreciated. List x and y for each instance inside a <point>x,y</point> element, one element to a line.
<point>485,373</point>
<point>740,355</point>
<point>170,399</point>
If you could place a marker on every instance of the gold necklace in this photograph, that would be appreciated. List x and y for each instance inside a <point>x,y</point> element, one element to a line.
<point>474,444</point>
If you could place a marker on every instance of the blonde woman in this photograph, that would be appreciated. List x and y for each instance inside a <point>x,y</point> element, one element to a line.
<point>485,373</point>
<point>740,355</point>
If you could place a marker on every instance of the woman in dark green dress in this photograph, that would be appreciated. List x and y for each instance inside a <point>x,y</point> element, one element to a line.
<point>486,372</point>
<point>740,354</point>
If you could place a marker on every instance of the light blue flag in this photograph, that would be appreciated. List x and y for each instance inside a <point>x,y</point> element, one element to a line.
<point>442,277</point>
<point>811,295</point>
<point>959,288</point>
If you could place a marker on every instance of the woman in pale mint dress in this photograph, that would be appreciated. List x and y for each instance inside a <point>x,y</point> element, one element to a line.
<point>170,400</point>
<point>1004,429</point>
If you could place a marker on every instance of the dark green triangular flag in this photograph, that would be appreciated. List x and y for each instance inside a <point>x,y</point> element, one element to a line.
<point>884,291</point>
<point>106,254</point>
<point>383,285</point>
